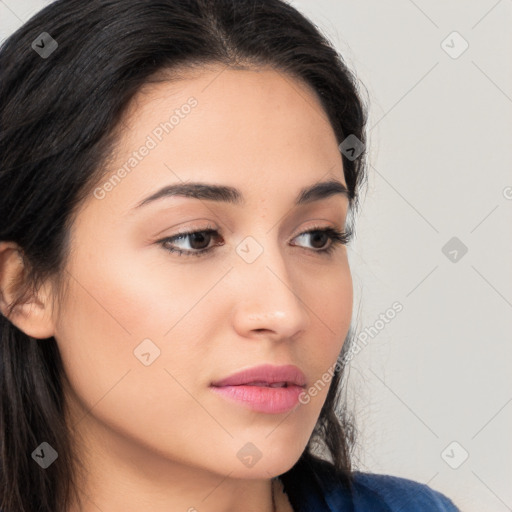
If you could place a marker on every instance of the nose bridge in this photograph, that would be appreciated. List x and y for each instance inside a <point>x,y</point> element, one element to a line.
<point>267,295</point>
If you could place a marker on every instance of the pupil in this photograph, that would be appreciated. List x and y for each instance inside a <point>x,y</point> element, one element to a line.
<point>315,237</point>
<point>201,237</point>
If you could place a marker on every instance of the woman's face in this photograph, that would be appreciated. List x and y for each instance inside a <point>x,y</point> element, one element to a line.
<point>144,332</point>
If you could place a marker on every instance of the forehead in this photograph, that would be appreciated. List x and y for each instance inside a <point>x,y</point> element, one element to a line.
<point>232,106</point>
<point>255,129</point>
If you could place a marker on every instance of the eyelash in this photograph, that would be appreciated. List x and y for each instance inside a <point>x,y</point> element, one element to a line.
<point>337,238</point>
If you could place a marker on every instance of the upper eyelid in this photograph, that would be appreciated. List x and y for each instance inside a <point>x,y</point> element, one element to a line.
<point>217,231</point>
<point>345,232</point>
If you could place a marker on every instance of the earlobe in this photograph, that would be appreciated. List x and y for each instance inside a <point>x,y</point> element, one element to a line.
<point>33,314</point>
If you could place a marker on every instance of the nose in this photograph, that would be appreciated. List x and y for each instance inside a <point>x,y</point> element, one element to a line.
<point>267,297</point>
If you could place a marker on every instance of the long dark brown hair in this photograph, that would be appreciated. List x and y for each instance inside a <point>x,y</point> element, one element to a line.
<point>59,116</point>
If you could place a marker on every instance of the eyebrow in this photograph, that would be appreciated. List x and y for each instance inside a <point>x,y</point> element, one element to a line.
<point>227,194</point>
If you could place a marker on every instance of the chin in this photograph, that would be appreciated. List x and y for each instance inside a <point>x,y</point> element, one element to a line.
<point>267,456</point>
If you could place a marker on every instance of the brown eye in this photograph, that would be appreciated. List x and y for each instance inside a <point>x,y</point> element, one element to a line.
<point>198,242</point>
<point>319,237</point>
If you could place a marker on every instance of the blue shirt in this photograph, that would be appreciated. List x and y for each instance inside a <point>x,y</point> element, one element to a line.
<point>312,485</point>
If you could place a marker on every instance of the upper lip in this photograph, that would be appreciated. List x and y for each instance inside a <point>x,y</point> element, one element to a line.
<point>268,374</point>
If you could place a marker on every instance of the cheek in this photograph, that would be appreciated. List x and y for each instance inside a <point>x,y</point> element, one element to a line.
<point>117,311</point>
<point>331,311</point>
<point>139,294</point>
<point>105,318</point>
<point>330,298</point>
<point>150,294</point>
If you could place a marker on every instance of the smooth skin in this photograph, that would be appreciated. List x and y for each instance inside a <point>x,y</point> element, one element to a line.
<point>156,437</point>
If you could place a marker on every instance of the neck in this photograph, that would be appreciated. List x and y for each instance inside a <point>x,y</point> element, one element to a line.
<point>119,474</point>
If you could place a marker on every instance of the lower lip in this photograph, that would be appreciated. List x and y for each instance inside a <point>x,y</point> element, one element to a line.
<point>262,399</point>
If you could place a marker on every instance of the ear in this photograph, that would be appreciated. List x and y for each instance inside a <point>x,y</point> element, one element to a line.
<point>34,315</point>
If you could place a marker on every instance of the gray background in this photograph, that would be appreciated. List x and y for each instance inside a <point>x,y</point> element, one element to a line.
<point>432,385</point>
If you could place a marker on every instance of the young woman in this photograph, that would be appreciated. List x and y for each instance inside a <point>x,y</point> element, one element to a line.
<point>177,183</point>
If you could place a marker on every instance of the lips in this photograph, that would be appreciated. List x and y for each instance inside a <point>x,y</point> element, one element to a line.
<point>268,385</point>
<point>265,376</point>
<point>265,389</point>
